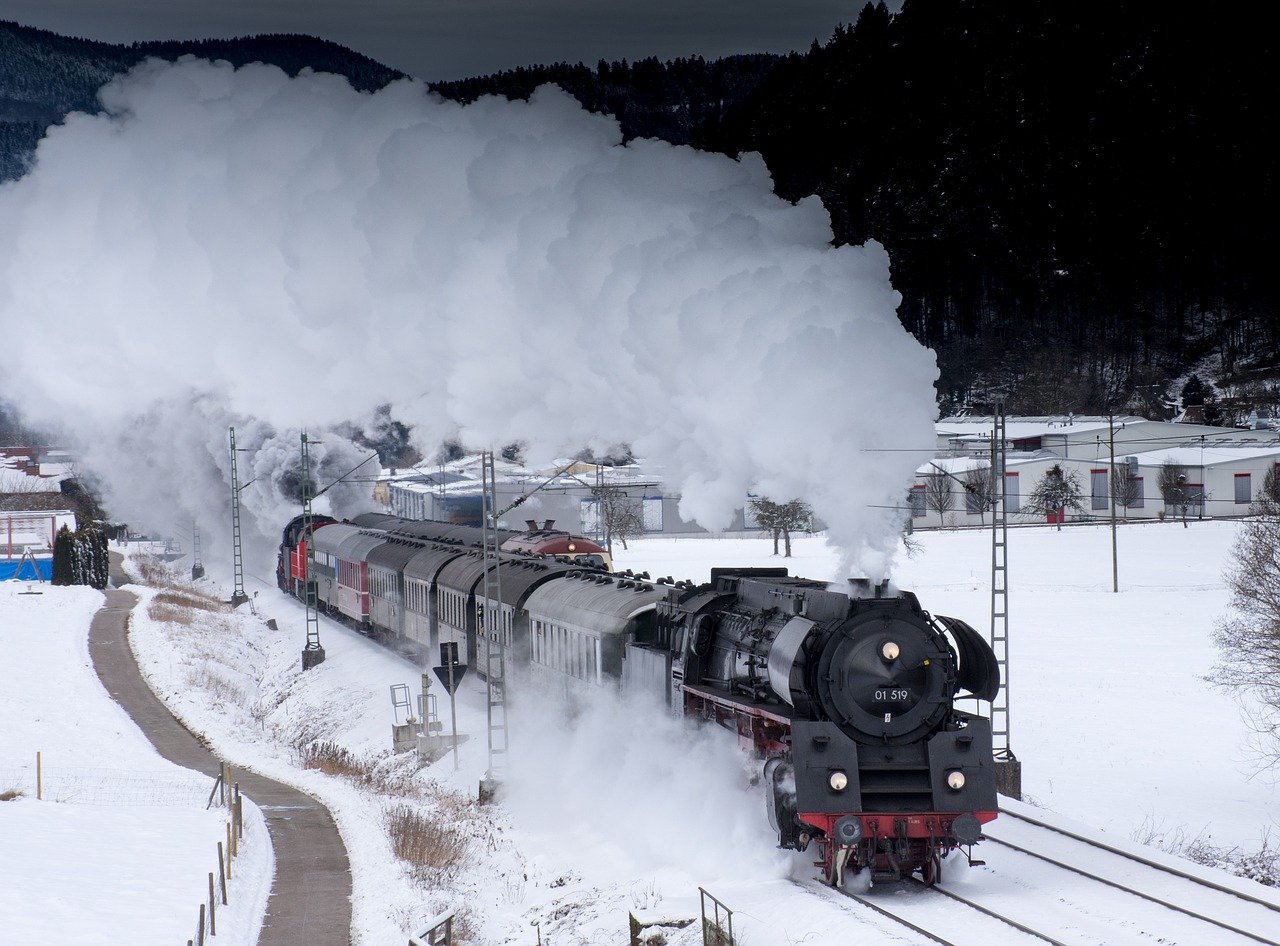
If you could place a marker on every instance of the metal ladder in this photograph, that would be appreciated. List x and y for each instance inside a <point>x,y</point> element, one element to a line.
<point>1008,769</point>
<point>238,597</point>
<point>492,628</point>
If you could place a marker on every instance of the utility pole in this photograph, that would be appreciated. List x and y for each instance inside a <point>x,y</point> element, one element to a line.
<point>1115,561</point>
<point>312,653</point>
<point>1008,768</point>
<point>238,597</point>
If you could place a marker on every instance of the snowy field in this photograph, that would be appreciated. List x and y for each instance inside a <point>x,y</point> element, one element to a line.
<point>621,810</point>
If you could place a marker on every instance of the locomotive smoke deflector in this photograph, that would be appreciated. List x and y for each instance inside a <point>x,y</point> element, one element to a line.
<point>979,672</point>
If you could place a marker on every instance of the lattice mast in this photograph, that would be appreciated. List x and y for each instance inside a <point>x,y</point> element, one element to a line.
<point>312,653</point>
<point>197,565</point>
<point>238,597</point>
<point>1008,768</point>
<point>492,628</point>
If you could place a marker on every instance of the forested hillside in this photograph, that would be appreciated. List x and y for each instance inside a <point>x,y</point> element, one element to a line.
<point>1079,202</point>
<point>43,76</point>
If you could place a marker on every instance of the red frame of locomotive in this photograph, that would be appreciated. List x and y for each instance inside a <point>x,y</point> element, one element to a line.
<point>923,836</point>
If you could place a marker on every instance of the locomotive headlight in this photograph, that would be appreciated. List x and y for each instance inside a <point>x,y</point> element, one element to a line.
<point>955,780</point>
<point>890,651</point>
<point>838,781</point>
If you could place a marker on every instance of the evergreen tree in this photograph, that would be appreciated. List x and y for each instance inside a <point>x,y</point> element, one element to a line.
<point>81,558</point>
<point>64,556</point>
<point>782,519</point>
<point>1057,491</point>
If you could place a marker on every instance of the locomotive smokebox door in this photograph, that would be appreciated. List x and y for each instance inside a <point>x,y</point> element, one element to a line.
<point>826,768</point>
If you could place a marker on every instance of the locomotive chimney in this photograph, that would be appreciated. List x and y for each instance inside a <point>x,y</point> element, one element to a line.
<point>531,524</point>
<point>548,524</point>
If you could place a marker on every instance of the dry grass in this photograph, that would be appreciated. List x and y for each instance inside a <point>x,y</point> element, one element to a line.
<point>179,605</point>
<point>429,841</point>
<point>152,571</point>
<point>386,776</point>
<point>1262,865</point>
<point>224,691</point>
<point>332,759</point>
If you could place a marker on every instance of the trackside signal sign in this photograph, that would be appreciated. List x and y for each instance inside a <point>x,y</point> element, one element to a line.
<point>450,672</point>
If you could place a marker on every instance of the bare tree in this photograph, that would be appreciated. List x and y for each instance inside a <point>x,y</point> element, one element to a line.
<point>938,495</point>
<point>782,519</point>
<point>1057,491</point>
<point>1270,492</point>
<point>621,516</point>
<point>980,494</point>
<point>1126,490</point>
<point>1174,490</point>
<point>1248,641</point>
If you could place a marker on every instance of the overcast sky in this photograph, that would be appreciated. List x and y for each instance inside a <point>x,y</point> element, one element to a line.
<point>450,39</point>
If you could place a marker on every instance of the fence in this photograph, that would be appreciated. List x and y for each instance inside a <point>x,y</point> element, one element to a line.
<point>437,932</point>
<point>131,788</point>
<point>225,793</point>
<point>717,929</point>
<point>105,786</point>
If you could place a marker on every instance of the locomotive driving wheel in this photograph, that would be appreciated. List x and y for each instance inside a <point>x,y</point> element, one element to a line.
<point>833,870</point>
<point>931,871</point>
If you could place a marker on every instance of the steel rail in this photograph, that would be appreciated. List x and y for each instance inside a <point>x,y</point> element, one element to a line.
<point>1130,890</point>
<point>1139,858</point>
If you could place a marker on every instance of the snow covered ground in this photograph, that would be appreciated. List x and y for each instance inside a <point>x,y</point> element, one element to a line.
<point>620,809</point>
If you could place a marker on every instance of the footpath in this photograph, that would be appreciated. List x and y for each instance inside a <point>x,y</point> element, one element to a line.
<point>310,900</point>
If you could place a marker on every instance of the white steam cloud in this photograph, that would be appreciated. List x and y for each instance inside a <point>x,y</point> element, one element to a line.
<point>227,246</point>
<point>635,789</point>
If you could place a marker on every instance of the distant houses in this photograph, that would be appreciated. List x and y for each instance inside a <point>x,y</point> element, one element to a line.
<point>32,510</point>
<point>1208,471</point>
<point>1218,471</point>
<point>568,494</point>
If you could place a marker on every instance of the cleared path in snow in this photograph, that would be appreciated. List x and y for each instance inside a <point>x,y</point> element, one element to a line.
<point>310,902</point>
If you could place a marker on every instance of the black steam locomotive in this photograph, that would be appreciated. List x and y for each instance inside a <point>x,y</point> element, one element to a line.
<point>847,696</point>
<point>850,699</point>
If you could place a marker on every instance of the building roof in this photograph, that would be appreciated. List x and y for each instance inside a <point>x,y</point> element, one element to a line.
<point>51,501</point>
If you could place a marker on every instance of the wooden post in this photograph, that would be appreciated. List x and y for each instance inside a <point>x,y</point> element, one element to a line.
<point>222,874</point>
<point>231,848</point>
<point>239,818</point>
<point>200,928</point>
<point>39,779</point>
<point>213,910</point>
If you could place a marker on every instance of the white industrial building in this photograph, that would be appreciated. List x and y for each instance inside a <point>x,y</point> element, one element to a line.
<point>1222,469</point>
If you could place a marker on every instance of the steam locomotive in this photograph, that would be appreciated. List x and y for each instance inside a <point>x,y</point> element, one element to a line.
<point>847,696</point>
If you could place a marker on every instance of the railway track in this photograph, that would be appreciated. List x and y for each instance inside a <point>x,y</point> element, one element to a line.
<point>1045,883</point>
